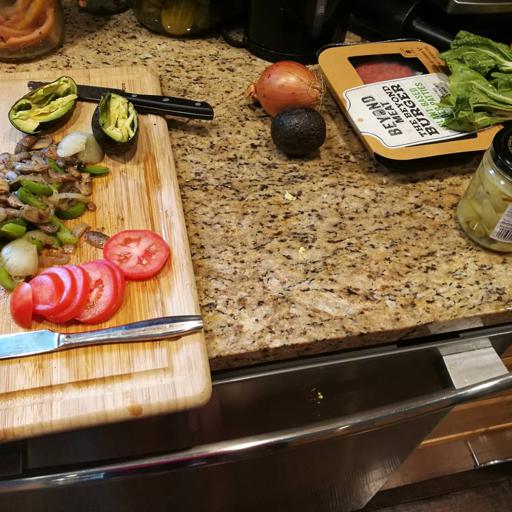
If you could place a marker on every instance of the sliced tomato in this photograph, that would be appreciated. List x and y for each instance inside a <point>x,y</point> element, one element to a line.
<point>103,298</point>
<point>120,279</point>
<point>79,299</point>
<point>69,288</point>
<point>21,305</point>
<point>46,293</point>
<point>139,253</point>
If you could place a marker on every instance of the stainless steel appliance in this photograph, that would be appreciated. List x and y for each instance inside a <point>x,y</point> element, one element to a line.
<point>434,21</point>
<point>294,29</point>
<point>321,433</point>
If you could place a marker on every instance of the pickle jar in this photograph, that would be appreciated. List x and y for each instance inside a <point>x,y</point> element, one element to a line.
<point>29,28</point>
<point>181,18</point>
<point>485,210</point>
<point>104,7</point>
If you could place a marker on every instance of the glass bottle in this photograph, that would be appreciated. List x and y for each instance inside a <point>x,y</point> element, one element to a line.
<point>29,28</point>
<point>485,210</point>
<point>180,18</point>
<point>104,7</point>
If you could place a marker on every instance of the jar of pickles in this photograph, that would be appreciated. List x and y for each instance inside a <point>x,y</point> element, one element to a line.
<point>104,7</point>
<point>485,210</point>
<point>29,28</point>
<point>182,18</point>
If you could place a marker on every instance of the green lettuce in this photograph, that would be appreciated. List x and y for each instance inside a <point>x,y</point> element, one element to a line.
<point>474,101</point>
<point>480,82</point>
<point>479,53</point>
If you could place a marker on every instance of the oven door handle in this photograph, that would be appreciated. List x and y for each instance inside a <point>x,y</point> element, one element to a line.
<point>257,445</point>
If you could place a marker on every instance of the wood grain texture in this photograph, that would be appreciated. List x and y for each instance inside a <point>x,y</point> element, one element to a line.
<point>93,385</point>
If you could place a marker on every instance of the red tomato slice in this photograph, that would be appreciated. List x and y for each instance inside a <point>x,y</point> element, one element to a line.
<point>69,288</point>
<point>103,300</point>
<point>120,279</point>
<point>79,300</point>
<point>21,305</point>
<point>140,253</point>
<point>47,290</point>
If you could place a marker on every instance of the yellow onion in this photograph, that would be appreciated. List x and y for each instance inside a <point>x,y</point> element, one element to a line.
<point>286,84</point>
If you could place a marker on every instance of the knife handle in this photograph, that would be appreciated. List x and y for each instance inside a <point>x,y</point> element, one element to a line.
<point>147,104</point>
<point>155,329</point>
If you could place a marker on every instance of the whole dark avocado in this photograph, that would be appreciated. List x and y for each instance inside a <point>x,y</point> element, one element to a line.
<point>298,131</point>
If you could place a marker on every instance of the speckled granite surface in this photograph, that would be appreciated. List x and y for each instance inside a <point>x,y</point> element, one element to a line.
<point>297,256</point>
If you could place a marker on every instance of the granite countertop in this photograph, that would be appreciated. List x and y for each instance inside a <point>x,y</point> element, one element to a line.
<point>297,256</point>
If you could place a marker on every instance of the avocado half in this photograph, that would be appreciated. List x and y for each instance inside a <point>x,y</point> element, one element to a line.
<point>114,124</point>
<point>46,107</point>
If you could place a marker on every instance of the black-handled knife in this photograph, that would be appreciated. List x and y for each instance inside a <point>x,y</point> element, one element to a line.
<point>144,103</point>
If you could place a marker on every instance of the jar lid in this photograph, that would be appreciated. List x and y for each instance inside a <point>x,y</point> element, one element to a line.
<point>501,150</point>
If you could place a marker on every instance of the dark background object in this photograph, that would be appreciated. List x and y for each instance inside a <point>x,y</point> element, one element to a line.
<point>433,21</point>
<point>294,29</point>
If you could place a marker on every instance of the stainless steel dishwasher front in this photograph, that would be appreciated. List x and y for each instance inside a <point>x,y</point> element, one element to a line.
<point>321,434</point>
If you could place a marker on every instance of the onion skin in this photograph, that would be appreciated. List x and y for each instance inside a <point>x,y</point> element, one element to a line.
<point>286,84</point>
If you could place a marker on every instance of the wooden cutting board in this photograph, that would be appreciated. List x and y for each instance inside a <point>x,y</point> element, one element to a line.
<point>93,385</point>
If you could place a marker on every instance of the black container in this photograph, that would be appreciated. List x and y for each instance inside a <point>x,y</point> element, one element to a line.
<point>294,29</point>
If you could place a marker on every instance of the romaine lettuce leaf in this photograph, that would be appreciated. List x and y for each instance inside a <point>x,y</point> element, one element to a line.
<point>479,53</point>
<point>474,101</point>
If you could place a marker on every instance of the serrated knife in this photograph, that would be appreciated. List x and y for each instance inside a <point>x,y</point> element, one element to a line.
<point>38,342</point>
<point>145,103</point>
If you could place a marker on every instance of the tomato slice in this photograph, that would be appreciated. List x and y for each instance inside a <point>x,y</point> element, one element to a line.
<point>46,293</point>
<point>79,299</point>
<point>69,288</point>
<point>140,253</point>
<point>21,305</point>
<point>103,298</point>
<point>120,280</point>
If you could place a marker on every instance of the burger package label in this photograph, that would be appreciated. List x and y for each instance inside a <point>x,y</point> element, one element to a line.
<point>390,92</point>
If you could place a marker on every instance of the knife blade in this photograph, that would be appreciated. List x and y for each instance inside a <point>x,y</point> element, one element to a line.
<point>38,342</point>
<point>145,103</point>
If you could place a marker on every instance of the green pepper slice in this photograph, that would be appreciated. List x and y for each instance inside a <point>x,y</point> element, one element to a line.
<point>12,230</point>
<point>72,212</point>
<point>6,280</point>
<point>25,196</point>
<point>63,234</point>
<point>37,188</point>
<point>54,166</point>
<point>96,170</point>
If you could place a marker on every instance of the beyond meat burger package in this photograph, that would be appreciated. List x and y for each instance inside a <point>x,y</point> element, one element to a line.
<point>390,92</point>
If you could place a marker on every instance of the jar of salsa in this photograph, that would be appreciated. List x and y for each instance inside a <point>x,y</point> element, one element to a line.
<point>485,210</point>
<point>29,28</point>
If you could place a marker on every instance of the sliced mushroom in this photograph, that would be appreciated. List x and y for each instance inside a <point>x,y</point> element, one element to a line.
<point>6,159</point>
<point>14,202</point>
<point>25,143</point>
<point>43,142</point>
<point>50,152</point>
<point>84,186</point>
<point>4,186</point>
<point>48,228</point>
<point>36,215</point>
<point>96,238</point>
<point>25,167</point>
<point>20,157</point>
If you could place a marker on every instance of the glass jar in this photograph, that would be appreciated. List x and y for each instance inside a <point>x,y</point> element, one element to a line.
<point>485,210</point>
<point>104,7</point>
<point>180,18</point>
<point>29,28</point>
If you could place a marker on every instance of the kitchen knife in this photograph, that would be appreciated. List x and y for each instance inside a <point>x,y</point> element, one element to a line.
<point>144,103</point>
<point>37,342</point>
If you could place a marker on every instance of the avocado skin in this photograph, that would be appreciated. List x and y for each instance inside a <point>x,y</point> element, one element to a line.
<point>298,131</point>
<point>46,126</point>
<point>109,145</point>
